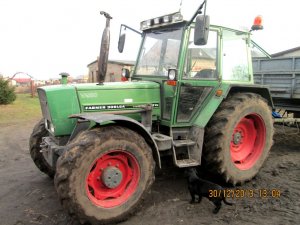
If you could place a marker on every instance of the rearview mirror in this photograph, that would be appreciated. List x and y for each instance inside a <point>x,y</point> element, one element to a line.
<point>121,42</point>
<point>201,30</point>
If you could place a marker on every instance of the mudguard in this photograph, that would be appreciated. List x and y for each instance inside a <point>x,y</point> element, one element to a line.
<point>84,120</point>
<point>262,90</point>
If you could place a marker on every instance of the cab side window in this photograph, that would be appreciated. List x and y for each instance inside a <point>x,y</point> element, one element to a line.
<point>201,61</point>
<point>235,57</point>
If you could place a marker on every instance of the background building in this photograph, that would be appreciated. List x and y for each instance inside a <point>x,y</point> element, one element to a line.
<point>288,53</point>
<point>113,73</point>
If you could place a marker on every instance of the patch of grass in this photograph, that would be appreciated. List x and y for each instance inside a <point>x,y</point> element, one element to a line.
<point>24,108</point>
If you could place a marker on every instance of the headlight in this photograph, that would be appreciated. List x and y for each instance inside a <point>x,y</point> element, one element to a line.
<point>172,74</point>
<point>49,125</point>
<point>125,73</point>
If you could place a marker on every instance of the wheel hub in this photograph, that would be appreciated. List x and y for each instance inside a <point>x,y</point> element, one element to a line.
<point>111,177</point>
<point>248,141</point>
<point>237,137</point>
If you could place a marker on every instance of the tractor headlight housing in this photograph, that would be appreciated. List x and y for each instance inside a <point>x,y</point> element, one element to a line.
<point>125,74</point>
<point>172,74</point>
<point>172,77</point>
<point>49,126</point>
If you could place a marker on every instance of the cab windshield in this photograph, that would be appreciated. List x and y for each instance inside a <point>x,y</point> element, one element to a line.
<point>159,52</point>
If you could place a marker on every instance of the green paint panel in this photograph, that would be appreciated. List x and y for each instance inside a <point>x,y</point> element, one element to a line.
<point>119,96</point>
<point>211,106</point>
<point>61,102</point>
<point>65,100</point>
<point>117,85</point>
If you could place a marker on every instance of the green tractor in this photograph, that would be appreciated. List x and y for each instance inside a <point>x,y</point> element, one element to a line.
<point>190,96</point>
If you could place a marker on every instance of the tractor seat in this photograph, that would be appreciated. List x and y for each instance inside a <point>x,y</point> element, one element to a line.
<point>206,73</point>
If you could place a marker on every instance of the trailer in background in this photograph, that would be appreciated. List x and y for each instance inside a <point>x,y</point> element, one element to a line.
<point>282,75</point>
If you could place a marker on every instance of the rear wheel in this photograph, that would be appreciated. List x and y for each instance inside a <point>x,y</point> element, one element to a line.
<point>104,174</point>
<point>239,137</point>
<point>39,131</point>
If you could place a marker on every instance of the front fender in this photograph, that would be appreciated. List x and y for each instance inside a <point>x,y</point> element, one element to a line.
<point>85,119</point>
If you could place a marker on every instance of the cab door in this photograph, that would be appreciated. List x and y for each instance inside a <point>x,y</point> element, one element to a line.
<point>199,77</point>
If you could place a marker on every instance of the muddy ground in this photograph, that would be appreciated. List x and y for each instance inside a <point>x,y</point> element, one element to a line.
<point>28,197</point>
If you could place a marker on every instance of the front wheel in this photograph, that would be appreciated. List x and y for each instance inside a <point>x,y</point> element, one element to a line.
<point>239,137</point>
<point>39,131</point>
<point>104,174</point>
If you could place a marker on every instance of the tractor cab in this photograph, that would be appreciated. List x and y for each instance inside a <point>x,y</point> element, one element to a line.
<point>193,62</point>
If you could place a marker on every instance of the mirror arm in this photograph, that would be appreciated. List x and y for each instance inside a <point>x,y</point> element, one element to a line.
<point>123,25</point>
<point>198,11</point>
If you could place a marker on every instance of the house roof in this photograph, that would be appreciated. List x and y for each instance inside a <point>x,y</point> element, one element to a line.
<point>22,80</point>
<point>120,62</point>
<point>22,77</point>
<point>285,52</point>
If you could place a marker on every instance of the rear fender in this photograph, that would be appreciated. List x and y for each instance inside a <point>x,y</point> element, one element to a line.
<point>263,91</point>
<point>85,120</point>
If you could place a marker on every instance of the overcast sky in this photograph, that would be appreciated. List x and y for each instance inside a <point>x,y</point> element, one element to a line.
<point>46,37</point>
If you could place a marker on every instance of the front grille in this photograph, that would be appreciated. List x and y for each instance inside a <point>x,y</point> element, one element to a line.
<point>44,104</point>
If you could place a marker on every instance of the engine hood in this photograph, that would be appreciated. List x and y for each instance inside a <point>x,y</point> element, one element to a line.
<point>118,95</point>
<point>58,102</point>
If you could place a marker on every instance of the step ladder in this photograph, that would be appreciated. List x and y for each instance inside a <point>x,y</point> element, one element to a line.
<point>190,144</point>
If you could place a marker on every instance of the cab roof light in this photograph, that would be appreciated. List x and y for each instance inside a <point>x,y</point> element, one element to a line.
<point>162,21</point>
<point>257,25</point>
<point>177,17</point>
<point>149,23</point>
<point>144,25</point>
<point>157,21</point>
<point>166,19</point>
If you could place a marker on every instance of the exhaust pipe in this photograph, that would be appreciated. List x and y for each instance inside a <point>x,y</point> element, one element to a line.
<point>104,50</point>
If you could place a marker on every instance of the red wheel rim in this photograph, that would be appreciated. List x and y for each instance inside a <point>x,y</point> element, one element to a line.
<point>248,141</point>
<point>113,178</point>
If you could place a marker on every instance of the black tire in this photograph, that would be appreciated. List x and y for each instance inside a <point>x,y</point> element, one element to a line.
<point>227,137</point>
<point>35,140</point>
<point>81,161</point>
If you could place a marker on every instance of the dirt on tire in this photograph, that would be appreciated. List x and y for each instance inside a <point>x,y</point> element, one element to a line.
<point>219,147</point>
<point>108,145</point>
<point>28,196</point>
